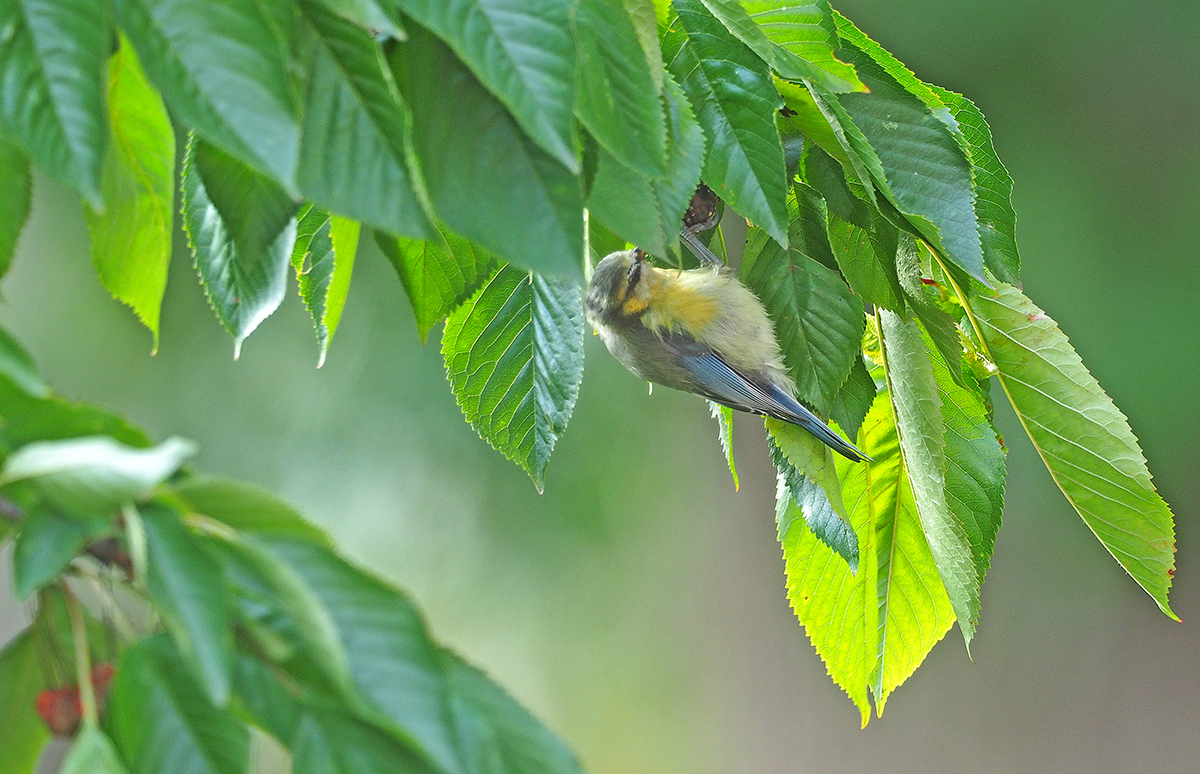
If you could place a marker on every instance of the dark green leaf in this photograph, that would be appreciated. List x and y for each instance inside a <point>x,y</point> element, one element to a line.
<point>997,221</point>
<point>867,260</point>
<point>162,721</point>
<point>824,173</point>
<point>731,91</point>
<point>618,98</point>
<point>937,322</point>
<point>474,176</point>
<point>18,367</point>
<point>188,590</point>
<point>724,417</point>
<point>438,274</point>
<point>241,231</point>
<point>355,131</point>
<point>47,543</point>
<point>22,732</point>
<point>854,399</point>
<point>818,321</point>
<point>514,357</point>
<point>331,742</point>
<point>28,419</point>
<point>224,72</point>
<point>246,508</point>
<point>92,753</point>
<point>1083,438</point>
<point>808,487</point>
<point>264,697</point>
<point>522,51</point>
<point>52,55</point>
<point>377,15</point>
<point>14,202</point>
<point>131,239</point>
<point>919,424</point>
<point>796,39</point>
<point>648,211</point>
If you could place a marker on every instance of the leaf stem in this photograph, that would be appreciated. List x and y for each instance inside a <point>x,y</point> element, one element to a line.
<point>83,660</point>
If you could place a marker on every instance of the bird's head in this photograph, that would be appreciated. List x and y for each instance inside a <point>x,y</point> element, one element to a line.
<point>616,287</point>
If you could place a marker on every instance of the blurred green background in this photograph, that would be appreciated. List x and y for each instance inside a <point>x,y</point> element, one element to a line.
<point>638,606</point>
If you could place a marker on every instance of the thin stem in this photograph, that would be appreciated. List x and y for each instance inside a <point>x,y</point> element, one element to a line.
<point>83,659</point>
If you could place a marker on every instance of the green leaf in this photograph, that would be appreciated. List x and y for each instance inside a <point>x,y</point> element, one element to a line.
<point>92,752</point>
<point>648,211</point>
<point>926,172</point>
<point>240,228</point>
<point>826,175</point>
<point>14,204</point>
<point>997,221</point>
<point>22,732</point>
<point>188,590</point>
<point>246,508</point>
<point>263,696</point>
<point>942,329</point>
<point>28,418</point>
<point>472,176</point>
<point>331,742</point>
<point>819,322</point>
<point>521,51</point>
<point>808,480</point>
<point>735,101</point>
<point>355,129</point>
<point>867,259</point>
<point>854,399</point>
<point>95,475</point>
<point>1083,438</point>
<point>974,460</point>
<point>18,368</point>
<point>52,55</point>
<point>514,357</point>
<point>618,98</point>
<point>797,40</point>
<point>164,723</point>
<point>917,407</point>
<point>323,277</point>
<point>438,274</point>
<point>724,417</point>
<point>383,16</point>
<point>224,74</point>
<point>131,239</point>
<point>47,543</point>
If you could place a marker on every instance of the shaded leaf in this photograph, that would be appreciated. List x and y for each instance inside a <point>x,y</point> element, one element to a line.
<point>1083,438</point>
<point>14,204</point>
<point>131,239</point>
<point>52,55</point>
<point>379,15</point>
<point>47,543</point>
<point>22,733</point>
<point>28,418</point>
<point>825,174</point>
<point>938,324</point>
<point>240,228</point>
<point>522,51</point>
<point>808,480</point>
<point>854,399</point>
<point>472,176</point>
<point>162,721</point>
<point>867,259</point>
<point>732,94</point>
<point>246,508</point>
<point>514,357</point>
<point>438,274</point>
<point>224,71</point>
<point>272,707</point>
<point>354,139</point>
<point>18,368</point>
<point>331,742</point>
<point>92,752</point>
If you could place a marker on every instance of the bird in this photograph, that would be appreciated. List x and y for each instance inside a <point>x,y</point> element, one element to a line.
<point>700,331</point>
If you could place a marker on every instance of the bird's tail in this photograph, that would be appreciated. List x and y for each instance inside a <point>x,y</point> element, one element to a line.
<point>801,416</point>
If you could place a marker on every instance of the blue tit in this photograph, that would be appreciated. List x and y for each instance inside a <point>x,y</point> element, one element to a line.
<point>701,331</point>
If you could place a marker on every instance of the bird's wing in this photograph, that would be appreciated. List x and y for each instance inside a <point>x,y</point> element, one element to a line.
<point>717,380</point>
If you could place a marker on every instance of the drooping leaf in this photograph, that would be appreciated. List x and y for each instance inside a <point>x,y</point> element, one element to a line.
<point>163,722</point>
<point>95,475</point>
<point>942,329</point>
<point>28,418</point>
<point>808,480</point>
<point>14,204</point>
<point>474,176</point>
<point>271,706</point>
<point>648,211</point>
<point>354,136</point>
<point>92,752</point>
<point>732,94</point>
<point>867,259</point>
<point>224,71</point>
<point>1083,438</point>
<point>241,230</point>
<point>22,733</point>
<point>47,543</point>
<point>854,399</point>
<point>724,417</point>
<point>131,239</point>
<point>521,51</point>
<point>189,592</point>
<point>514,357</point>
<point>997,221</point>
<point>796,39</point>
<point>323,269</point>
<point>917,408</point>
<point>332,742</point>
<point>818,321</point>
<point>826,175</point>
<point>18,368</point>
<point>618,99</point>
<point>438,274</point>
<point>379,15</point>
<point>246,508</point>
<point>52,55</point>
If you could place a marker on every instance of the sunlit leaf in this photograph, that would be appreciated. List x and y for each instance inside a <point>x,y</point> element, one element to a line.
<point>724,417</point>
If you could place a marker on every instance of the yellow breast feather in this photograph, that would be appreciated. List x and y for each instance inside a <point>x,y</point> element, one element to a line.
<point>680,301</point>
